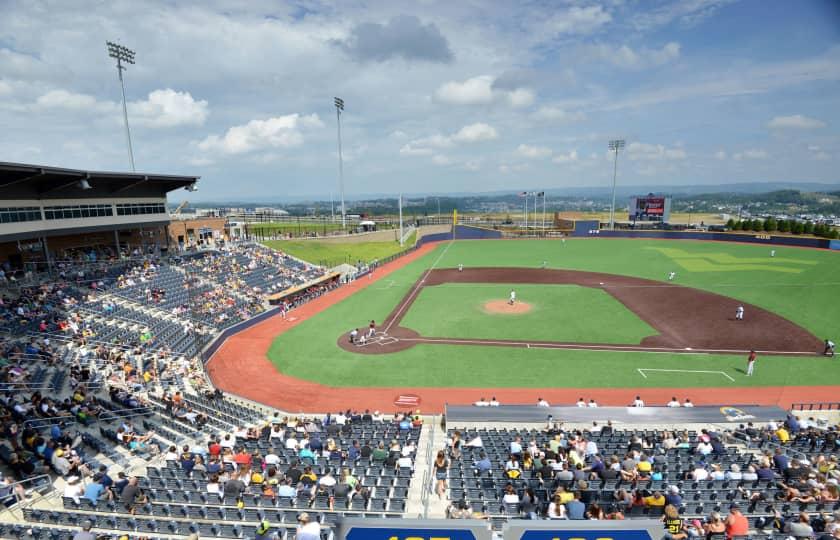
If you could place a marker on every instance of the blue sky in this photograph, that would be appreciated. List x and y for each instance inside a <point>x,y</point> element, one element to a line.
<point>440,96</point>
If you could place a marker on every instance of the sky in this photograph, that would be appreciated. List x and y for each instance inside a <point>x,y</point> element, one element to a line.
<point>465,96</point>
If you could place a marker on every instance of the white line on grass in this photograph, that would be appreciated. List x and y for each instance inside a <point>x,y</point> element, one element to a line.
<point>642,372</point>
<point>417,286</point>
<point>601,347</point>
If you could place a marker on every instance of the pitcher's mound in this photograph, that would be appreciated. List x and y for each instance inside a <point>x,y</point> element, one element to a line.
<point>503,307</point>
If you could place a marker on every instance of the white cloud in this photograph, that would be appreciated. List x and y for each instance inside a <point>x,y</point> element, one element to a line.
<point>440,159</point>
<point>625,57</point>
<point>557,114</point>
<point>720,155</point>
<point>577,20</point>
<point>533,152</point>
<point>571,157</point>
<point>162,109</point>
<point>5,88</point>
<point>200,161</point>
<point>474,91</point>
<point>481,91</point>
<point>687,12</point>
<point>818,153</point>
<point>650,152</point>
<point>62,99</point>
<point>279,132</point>
<point>796,121</point>
<point>168,108</point>
<point>751,153</point>
<point>472,165</point>
<point>476,132</point>
<point>520,97</point>
<point>426,146</point>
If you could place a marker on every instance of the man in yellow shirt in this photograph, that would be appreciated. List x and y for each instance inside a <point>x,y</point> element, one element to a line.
<point>657,499</point>
<point>783,435</point>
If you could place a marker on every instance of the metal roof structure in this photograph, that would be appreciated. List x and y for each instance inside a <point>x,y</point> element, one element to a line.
<point>24,181</point>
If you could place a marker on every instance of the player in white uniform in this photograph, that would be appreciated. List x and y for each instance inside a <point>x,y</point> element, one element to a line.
<point>772,252</point>
<point>512,299</point>
<point>460,267</point>
<point>739,313</point>
<point>671,276</point>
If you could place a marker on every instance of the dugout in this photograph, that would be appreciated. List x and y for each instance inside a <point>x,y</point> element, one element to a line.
<point>293,295</point>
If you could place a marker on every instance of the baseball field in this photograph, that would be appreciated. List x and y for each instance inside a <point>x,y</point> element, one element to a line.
<point>589,314</point>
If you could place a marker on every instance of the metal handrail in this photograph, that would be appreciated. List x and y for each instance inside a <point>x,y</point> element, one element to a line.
<point>19,482</point>
<point>111,415</point>
<point>428,474</point>
<point>44,422</point>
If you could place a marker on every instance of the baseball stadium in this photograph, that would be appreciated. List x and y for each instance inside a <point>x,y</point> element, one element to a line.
<point>593,317</point>
<point>314,270</point>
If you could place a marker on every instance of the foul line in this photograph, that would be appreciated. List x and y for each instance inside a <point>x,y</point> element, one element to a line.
<point>417,287</point>
<point>599,347</point>
<point>642,372</point>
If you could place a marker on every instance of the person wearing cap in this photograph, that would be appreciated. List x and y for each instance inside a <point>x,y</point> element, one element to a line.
<point>307,529</point>
<point>263,531</point>
<point>736,523</point>
<point>73,488</point>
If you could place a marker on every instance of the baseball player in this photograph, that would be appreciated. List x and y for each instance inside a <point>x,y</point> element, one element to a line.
<point>372,329</point>
<point>544,265</point>
<point>460,267</point>
<point>772,252</point>
<point>829,348</point>
<point>512,299</point>
<point>750,363</point>
<point>671,276</point>
<point>739,313</point>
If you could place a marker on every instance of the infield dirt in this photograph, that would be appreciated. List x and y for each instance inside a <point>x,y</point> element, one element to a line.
<point>685,319</point>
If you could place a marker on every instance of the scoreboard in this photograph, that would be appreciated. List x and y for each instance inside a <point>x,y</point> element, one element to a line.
<point>650,208</point>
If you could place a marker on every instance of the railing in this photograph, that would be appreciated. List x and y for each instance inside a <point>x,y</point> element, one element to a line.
<point>32,479</point>
<point>428,474</point>
<point>818,406</point>
<point>109,416</point>
<point>25,386</point>
<point>744,438</point>
<point>38,423</point>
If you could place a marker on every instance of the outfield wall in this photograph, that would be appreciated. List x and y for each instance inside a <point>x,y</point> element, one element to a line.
<point>756,238</point>
<point>220,338</point>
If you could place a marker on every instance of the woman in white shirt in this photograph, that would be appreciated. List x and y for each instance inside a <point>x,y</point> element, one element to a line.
<point>213,485</point>
<point>556,510</point>
<point>510,496</point>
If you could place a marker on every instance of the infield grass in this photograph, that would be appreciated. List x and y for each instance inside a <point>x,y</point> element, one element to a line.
<point>456,310</point>
<point>809,297</point>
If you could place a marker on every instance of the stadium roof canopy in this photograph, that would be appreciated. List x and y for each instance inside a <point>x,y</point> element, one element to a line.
<point>21,181</point>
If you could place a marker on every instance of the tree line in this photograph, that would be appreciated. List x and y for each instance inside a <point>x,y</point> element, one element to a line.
<point>791,226</point>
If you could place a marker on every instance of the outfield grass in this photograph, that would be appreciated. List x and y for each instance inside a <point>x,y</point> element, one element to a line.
<point>456,310</point>
<point>809,297</point>
<point>332,254</point>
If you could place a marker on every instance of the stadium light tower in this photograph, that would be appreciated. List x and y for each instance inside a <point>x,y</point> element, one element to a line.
<point>123,55</point>
<point>339,107</point>
<point>615,146</point>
